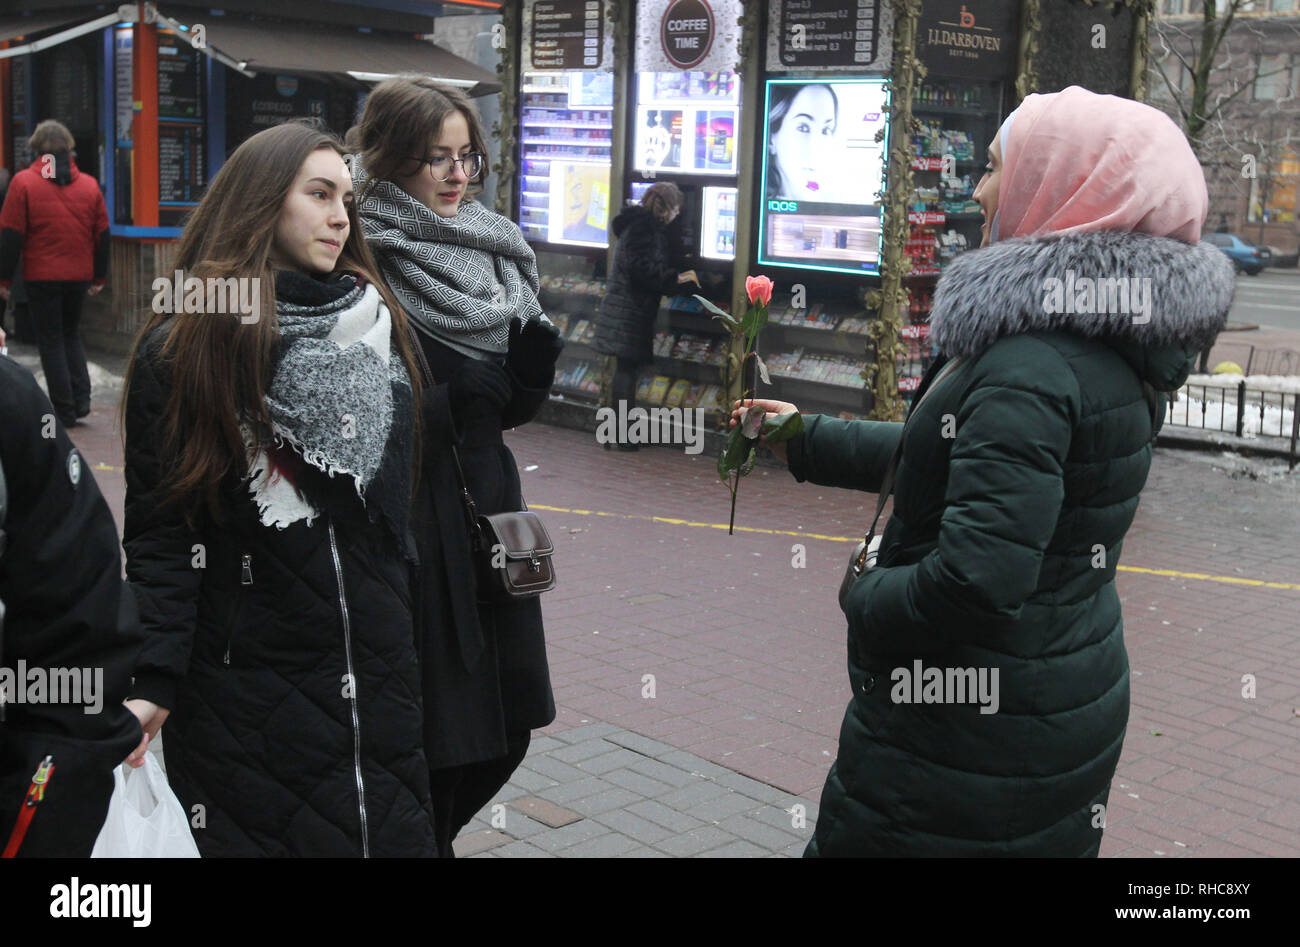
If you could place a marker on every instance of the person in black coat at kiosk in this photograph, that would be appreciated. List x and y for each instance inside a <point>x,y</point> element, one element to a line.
<point>643,271</point>
<point>469,281</point>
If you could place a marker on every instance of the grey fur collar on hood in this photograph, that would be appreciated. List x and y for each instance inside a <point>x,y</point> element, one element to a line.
<point>1165,292</point>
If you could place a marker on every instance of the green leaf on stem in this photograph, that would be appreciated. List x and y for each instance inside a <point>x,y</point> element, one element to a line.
<point>782,427</point>
<point>751,421</point>
<point>718,313</point>
<point>734,453</point>
<point>749,463</point>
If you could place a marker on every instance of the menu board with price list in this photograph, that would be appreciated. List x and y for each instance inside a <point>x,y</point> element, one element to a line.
<point>822,35</point>
<point>180,82</point>
<point>182,169</point>
<point>565,34</point>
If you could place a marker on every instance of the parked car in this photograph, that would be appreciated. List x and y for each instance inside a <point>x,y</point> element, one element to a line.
<point>1247,257</point>
<point>1283,259</point>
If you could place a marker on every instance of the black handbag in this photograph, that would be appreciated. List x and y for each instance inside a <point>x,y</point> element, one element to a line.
<point>512,551</point>
<point>864,554</point>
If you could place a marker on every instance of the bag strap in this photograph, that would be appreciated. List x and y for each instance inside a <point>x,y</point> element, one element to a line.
<point>467,499</point>
<point>466,496</point>
<point>887,482</point>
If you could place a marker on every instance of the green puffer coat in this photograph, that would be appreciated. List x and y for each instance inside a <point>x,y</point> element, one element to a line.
<point>995,588</point>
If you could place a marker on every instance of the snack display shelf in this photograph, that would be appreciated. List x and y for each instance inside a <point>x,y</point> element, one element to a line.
<point>549,123</point>
<point>586,142</point>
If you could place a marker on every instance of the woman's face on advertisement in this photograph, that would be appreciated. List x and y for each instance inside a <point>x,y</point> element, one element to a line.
<point>442,197</point>
<point>986,193</point>
<point>313,224</point>
<point>800,148</point>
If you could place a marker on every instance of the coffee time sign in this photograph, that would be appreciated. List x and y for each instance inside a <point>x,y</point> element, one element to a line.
<point>695,35</point>
<point>687,32</point>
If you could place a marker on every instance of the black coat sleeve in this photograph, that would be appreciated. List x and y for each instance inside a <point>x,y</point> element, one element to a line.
<point>161,547</point>
<point>444,589</point>
<point>439,424</point>
<point>11,247</point>
<point>525,401</point>
<point>70,624</point>
<point>102,246</point>
<point>13,228</point>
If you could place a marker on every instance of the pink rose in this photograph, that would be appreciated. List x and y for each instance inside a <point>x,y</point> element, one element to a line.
<point>759,289</point>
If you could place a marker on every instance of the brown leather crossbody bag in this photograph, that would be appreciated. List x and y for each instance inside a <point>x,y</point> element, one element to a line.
<point>512,551</point>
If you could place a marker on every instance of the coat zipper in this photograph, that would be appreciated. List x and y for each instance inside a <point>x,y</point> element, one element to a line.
<point>245,578</point>
<point>352,680</point>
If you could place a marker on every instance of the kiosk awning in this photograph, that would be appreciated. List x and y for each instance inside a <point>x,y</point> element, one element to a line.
<point>307,49</point>
<point>28,26</point>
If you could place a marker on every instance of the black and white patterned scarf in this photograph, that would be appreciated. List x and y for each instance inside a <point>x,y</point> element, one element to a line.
<point>340,398</point>
<point>461,278</point>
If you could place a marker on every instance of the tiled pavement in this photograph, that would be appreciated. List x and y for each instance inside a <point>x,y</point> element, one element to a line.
<point>666,632</point>
<point>596,790</point>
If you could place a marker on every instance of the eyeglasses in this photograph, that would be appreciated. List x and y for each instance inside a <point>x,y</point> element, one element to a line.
<point>440,165</point>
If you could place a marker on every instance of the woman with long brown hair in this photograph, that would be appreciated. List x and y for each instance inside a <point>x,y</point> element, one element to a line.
<point>270,434</point>
<point>470,283</point>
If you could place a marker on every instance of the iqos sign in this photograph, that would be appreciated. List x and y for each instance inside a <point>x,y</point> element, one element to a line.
<point>686,32</point>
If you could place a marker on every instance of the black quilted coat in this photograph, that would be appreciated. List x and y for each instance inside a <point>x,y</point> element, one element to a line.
<point>287,659</point>
<point>643,271</point>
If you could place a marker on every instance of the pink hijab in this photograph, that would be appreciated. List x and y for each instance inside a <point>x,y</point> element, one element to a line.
<point>1076,161</point>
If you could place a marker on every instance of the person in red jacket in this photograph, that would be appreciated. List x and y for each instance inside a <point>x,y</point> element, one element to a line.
<point>54,215</point>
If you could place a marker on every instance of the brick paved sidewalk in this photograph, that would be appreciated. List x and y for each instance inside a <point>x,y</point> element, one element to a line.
<point>746,653</point>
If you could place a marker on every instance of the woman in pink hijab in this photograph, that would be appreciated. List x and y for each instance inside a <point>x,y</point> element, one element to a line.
<point>986,652</point>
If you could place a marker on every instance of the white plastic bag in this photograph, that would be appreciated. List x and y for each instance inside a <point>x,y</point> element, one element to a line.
<point>145,819</point>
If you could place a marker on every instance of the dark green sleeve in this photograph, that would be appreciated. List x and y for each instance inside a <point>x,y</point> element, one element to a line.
<point>1003,499</point>
<point>835,453</point>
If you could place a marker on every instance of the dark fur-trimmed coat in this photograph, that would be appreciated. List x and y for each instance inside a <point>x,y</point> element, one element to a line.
<point>1002,549</point>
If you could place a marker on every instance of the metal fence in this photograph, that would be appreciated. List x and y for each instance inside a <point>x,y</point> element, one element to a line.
<point>1255,360</point>
<point>1233,409</point>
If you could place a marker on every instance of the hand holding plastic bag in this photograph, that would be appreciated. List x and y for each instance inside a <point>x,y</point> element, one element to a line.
<point>145,819</point>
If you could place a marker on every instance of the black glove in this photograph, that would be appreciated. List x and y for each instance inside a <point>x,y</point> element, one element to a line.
<point>532,352</point>
<point>483,385</point>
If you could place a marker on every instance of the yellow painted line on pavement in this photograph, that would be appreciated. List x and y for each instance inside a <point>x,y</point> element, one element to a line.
<point>673,521</point>
<point>106,467</point>
<point>1231,580</point>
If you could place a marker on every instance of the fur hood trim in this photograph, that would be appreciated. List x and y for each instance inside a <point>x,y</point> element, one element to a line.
<point>1154,291</point>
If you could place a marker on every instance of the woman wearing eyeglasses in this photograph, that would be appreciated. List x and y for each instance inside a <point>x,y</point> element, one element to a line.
<point>469,283</point>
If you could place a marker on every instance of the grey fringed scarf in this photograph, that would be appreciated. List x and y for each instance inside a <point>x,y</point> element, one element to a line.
<point>462,278</point>
<point>340,398</point>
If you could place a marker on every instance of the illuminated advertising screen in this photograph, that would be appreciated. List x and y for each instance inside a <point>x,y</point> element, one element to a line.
<point>823,174</point>
<point>718,224</point>
<point>686,122</point>
<point>566,130</point>
<point>579,204</point>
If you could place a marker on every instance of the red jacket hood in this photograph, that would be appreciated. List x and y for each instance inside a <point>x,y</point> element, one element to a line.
<point>35,167</point>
